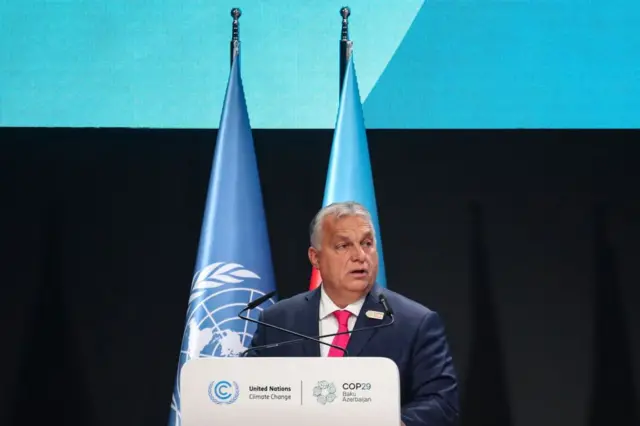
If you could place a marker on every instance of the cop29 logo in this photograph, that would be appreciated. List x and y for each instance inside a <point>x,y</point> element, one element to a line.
<point>223,392</point>
<point>324,392</point>
<point>356,386</point>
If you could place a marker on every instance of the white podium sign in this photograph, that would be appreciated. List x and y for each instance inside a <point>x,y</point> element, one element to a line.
<point>290,392</point>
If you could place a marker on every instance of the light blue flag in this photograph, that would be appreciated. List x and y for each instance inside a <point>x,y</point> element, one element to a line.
<point>349,176</point>
<point>233,265</point>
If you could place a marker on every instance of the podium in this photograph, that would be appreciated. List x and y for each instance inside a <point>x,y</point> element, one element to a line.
<point>290,392</point>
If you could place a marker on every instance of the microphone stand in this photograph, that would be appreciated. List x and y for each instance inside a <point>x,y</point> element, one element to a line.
<point>382,300</point>
<point>287,342</point>
<point>284,330</point>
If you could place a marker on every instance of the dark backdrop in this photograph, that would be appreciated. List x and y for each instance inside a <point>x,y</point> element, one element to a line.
<point>527,243</point>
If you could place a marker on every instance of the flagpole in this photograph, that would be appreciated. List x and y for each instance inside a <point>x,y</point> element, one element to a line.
<point>345,43</point>
<point>235,39</point>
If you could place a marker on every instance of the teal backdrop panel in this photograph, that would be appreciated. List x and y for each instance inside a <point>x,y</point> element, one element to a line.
<point>421,64</point>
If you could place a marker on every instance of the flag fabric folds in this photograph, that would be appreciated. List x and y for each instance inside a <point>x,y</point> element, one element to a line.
<point>349,176</point>
<point>233,265</point>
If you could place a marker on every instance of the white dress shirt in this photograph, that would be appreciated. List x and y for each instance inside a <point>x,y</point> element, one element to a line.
<point>328,321</point>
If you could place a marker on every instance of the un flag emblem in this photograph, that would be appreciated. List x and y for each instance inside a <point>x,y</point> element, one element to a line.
<point>219,292</point>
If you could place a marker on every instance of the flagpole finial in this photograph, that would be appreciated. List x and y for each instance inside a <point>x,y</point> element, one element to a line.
<point>236,13</point>
<point>345,12</point>
<point>345,44</point>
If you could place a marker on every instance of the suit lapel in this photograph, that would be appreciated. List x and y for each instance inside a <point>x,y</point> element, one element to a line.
<point>310,323</point>
<point>359,339</point>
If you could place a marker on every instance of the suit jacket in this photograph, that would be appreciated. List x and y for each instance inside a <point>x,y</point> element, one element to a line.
<point>416,342</point>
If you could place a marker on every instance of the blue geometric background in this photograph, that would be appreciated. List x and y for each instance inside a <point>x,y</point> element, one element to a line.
<point>420,64</point>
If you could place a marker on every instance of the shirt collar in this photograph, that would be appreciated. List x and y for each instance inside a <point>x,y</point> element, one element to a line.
<point>327,307</point>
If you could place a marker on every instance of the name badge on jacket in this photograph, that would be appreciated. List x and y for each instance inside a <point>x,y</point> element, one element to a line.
<point>374,315</point>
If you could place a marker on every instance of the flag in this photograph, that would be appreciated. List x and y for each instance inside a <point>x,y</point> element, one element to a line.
<point>233,265</point>
<point>349,176</point>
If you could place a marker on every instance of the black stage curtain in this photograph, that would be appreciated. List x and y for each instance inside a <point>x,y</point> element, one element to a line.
<point>527,243</point>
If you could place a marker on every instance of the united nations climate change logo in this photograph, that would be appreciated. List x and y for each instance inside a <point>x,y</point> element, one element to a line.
<point>224,392</point>
<point>324,392</point>
<point>217,295</point>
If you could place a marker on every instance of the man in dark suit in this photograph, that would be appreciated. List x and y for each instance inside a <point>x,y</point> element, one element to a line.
<point>343,249</point>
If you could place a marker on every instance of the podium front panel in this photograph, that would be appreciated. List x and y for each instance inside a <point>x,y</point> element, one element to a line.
<point>290,392</point>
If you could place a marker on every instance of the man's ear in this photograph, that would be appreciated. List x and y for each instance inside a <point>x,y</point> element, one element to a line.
<point>313,257</point>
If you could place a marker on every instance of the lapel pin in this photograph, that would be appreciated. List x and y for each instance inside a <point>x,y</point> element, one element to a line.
<point>374,315</point>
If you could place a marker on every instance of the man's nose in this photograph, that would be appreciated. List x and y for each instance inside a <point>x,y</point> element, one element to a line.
<point>358,254</point>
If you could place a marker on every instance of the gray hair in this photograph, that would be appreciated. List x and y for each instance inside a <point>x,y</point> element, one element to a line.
<point>337,210</point>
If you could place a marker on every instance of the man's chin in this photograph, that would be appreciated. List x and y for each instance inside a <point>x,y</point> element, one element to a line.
<point>358,283</point>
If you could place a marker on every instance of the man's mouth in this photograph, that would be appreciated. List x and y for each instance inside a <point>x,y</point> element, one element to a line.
<point>359,272</point>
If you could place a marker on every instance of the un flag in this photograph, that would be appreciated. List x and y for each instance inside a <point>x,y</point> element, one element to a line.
<point>233,266</point>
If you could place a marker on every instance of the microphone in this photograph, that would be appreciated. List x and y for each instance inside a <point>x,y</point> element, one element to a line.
<point>261,300</point>
<point>382,299</point>
<point>385,304</point>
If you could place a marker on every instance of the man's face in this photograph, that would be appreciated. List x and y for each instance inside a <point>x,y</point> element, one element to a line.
<point>347,260</point>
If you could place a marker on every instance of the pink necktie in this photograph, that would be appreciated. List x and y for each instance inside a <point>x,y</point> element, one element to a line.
<point>342,339</point>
